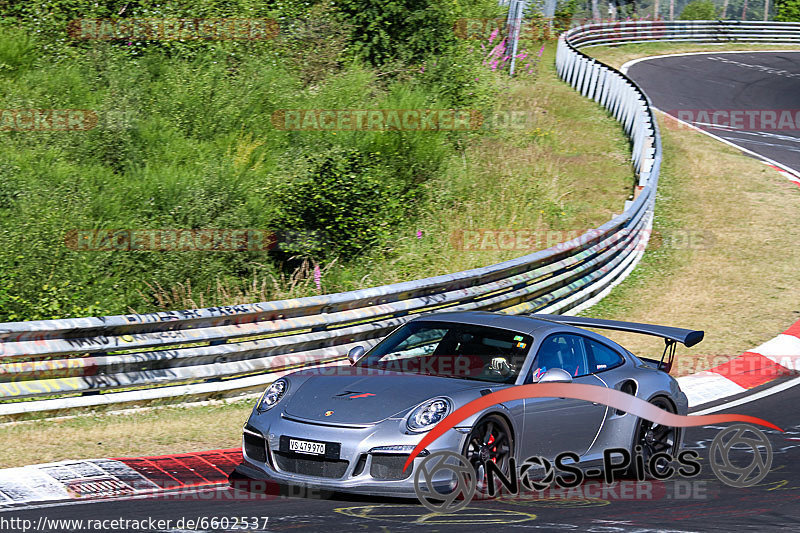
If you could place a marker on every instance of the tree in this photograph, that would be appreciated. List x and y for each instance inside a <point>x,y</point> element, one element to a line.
<point>404,30</point>
<point>699,10</point>
<point>787,10</point>
<point>595,11</point>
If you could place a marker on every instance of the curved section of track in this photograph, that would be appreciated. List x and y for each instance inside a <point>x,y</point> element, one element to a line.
<point>756,97</point>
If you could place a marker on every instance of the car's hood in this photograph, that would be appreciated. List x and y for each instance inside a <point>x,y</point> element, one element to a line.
<point>367,399</point>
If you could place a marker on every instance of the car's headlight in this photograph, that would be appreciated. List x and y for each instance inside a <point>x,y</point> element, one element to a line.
<point>429,414</point>
<point>272,395</point>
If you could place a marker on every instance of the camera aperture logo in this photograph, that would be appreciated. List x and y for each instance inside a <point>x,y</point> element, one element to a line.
<point>456,495</point>
<point>451,481</point>
<point>727,440</point>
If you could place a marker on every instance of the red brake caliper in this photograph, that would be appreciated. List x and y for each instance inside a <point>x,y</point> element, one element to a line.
<point>491,440</point>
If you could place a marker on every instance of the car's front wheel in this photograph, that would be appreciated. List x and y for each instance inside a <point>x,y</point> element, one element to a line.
<point>490,440</point>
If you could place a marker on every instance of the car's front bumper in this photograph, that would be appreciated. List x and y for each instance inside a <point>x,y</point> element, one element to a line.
<point>362,473</point>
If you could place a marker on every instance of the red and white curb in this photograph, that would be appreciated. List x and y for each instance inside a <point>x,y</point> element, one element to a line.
<point>111,478</point>
<point>794,178</point>
<point>771,360</point>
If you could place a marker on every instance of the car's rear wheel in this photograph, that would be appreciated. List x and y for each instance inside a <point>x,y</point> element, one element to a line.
<point>490,440</point>
<point>653,438</point>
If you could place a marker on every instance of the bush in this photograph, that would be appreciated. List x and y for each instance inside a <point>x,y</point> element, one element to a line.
<point>18,51</point>
<point>342,204</point>
<point>699,10</point>
<point>407,31</point>
<point>184,140</point>
<point>788,11</point>
<point>565,11</point>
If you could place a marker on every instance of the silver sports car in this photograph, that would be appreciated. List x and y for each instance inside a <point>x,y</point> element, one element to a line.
<point>351,428</point>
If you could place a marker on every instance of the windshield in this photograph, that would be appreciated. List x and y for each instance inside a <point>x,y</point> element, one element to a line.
<point>448,349</point>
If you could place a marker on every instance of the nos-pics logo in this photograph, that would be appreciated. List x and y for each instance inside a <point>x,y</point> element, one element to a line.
<point>446,481</point>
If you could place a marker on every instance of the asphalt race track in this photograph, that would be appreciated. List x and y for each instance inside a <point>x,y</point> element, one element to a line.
<point>702,503</point>
<point>684,86</point>
<point>696,504</point>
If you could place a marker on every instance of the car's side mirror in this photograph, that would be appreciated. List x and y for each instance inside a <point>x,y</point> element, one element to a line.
<point>355,353</point>
<point>555,375</point>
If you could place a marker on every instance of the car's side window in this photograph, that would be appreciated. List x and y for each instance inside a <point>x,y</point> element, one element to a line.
<point>601,357</point>
<point>561,351</point>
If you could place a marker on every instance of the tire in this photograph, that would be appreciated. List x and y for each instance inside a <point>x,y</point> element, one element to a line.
<point>490,439</point>
<point>654,438</point>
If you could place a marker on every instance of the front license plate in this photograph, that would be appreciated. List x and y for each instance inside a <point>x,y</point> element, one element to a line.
<point>304,446</point>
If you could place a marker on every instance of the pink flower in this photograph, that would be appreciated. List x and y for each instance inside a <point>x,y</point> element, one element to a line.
<point>419,234</point>
<point>318,278</point>
<point>493,35</point>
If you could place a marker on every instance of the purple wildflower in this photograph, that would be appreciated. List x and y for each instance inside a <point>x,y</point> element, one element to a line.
<point>317,277</point>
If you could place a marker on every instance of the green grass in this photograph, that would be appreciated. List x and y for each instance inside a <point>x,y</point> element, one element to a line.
<point>132,433</point>
<point>185,141</point>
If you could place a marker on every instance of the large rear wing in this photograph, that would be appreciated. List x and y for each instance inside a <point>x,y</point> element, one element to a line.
<point>671,335</point>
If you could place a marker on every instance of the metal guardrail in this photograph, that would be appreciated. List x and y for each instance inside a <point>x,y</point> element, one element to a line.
<point>58,364</point>
<point>702,31</point>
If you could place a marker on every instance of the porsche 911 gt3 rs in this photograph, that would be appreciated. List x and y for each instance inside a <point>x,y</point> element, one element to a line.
<point>352,428</point>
